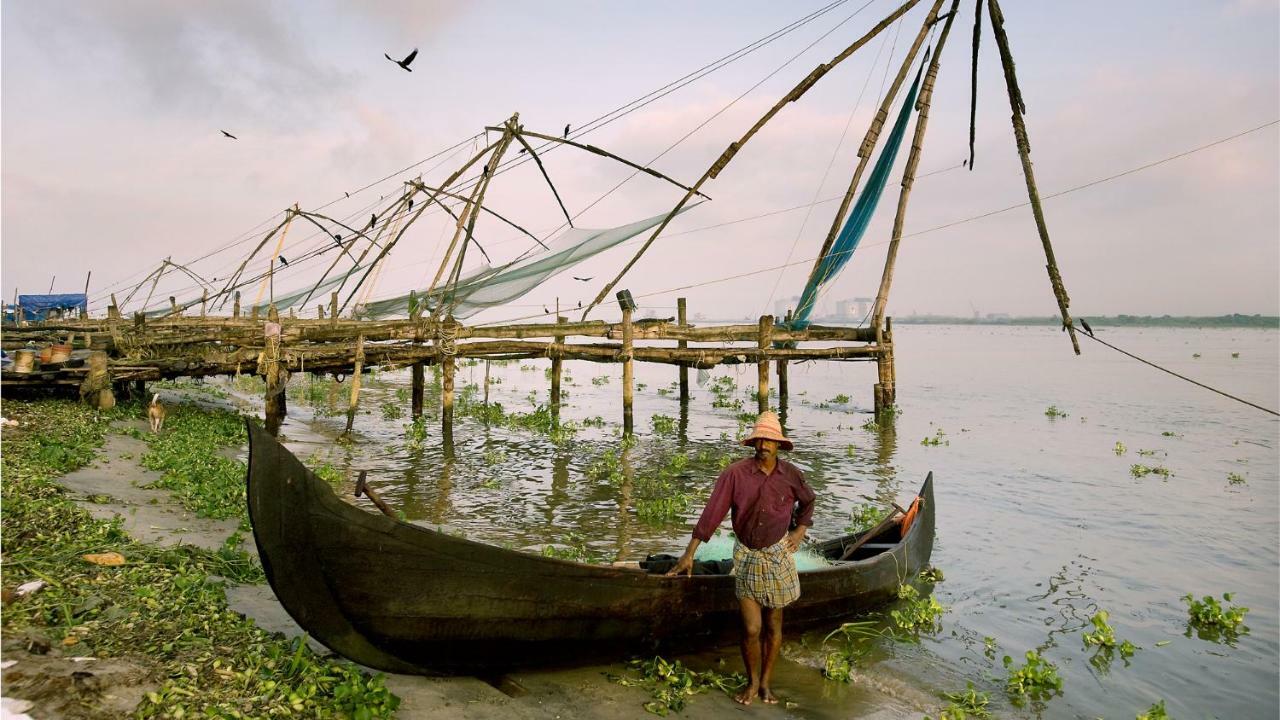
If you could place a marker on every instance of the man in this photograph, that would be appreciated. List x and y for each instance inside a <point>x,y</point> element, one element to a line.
<point>763,493</point>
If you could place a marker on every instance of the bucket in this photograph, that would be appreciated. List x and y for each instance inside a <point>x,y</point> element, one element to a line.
<point>24,361</point>
<point>60,353</point>
<point>46,353</point>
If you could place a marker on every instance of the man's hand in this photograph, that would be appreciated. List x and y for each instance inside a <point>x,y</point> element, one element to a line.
<point>683,565</point>
<point>795,538</point>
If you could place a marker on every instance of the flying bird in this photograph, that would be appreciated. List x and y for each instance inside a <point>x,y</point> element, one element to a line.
<point>224,132</point>
<point>566,131</point>
<point>1085,324</point>
<point>405,62</point>
<point>283,261</point>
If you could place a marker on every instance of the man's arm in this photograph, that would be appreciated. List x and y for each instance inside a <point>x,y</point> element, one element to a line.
<point>804,516</point>
<point>712,515</point>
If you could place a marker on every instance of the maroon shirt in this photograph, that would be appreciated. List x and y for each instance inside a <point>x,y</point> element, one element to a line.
<point>762,505</point>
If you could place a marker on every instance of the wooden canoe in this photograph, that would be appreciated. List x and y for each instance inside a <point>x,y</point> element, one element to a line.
<point>403,598</point>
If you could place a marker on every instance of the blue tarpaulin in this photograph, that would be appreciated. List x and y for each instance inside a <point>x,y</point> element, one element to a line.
<point>38,307</point>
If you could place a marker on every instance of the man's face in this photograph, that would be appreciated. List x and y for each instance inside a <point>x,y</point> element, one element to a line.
<point>766,449</point>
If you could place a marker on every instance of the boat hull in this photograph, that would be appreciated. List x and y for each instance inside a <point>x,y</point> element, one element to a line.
<point>402,598</point>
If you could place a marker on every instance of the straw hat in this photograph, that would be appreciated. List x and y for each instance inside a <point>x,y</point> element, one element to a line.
<point>768,427</point>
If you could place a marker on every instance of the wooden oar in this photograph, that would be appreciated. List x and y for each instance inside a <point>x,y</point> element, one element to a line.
<point>363,487</point>
<point>868,535</point>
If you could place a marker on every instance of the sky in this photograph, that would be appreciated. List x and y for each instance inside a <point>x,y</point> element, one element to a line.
<point>112,156</point>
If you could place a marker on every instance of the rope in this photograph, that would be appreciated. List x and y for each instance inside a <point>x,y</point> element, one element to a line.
<point>1091,336</point>
<point>447,337</point>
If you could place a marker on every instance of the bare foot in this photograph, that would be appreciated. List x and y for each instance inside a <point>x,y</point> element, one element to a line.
<point>767,696</point>
<point>745,697</point>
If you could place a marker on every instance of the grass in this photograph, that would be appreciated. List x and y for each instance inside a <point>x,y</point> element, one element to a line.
<point>671,685</point>
<point>188,456</point>
<point>164,608</point>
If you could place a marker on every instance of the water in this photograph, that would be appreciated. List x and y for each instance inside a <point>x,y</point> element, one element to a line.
<point>1040,521</point>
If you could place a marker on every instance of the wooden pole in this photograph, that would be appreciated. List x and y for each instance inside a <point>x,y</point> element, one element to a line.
<point>782,378</point>
<point>628,376</point>
<point>235,307</point>
<point>416,375</point>
<point>1024,152</point>
<point>446,397</point>
<point>319,312</point>
<point>909,172</point>
<point>173,305</point>
<point>682,319</point>
<point>362,488</point>
<point>557,369</point>
<point>486,382</point>
<point>275,403</point>
<point>333,308</point>
<point>885,394</point>
<point>84,311</point>
<point>113,312</point>
<point>354,404</point>
<point>762,365</point>
<point>204,300</point>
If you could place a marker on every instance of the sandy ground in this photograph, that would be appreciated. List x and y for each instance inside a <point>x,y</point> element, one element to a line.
<point>113,485</point>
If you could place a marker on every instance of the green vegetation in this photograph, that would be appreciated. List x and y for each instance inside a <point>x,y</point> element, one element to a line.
<point>664,425</point>
<point>1170,433</point>
<point>1038,679</point>
<point>1155,712</point>
<point>1214,621</point>
<point>967,704</point>
<point>415,433</point>
<point>1103,638</point>
<point>164,608</point>
<point>858,637</point>
<point>865,516</point>
<point>1235,478</point>
<point>1119,448</point>
<point>671,684</point>
<point>392,410</point>
<point>936,440</point>
<point>914,614</point>
<point>931,575</point>
<point>1140,471</point>
<point>840,399</point>
<point>658,498</point>
<point>573,548</point>
<point>1054,413</point>
<point>600,380</point>
<point>188,454</point>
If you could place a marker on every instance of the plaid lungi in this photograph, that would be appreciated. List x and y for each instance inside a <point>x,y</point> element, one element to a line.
<point>767,575</point>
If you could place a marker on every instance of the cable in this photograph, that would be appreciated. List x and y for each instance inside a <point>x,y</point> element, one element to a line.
<point>1091,336</point>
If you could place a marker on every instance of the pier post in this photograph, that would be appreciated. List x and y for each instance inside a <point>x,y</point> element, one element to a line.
<point>113,311</point>
<point>782,376</point>
<point>416,376</point>
<point>204,301</point>
<point>885,395</point>
<point>628,374</point>
<point>486,383</point>
<point>682,344</point>
<point>320,312</point>
<point>333,308</point>
<point>358,366</point>
<point>275,376</point>
<point>235,307</point>
<point>557,370</point>
<point>446,398</point>
<point>762,364</point>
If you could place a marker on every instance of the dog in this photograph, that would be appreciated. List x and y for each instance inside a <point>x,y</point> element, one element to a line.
<point>155,414</point>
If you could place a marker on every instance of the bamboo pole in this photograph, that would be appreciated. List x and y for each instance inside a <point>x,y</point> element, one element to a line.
<point>762,365</point>
<point>204,302</point>
<point>84,311</point>
<point>173,306</point>
<point>682,344</point>
<point>557,370</point>
<point>923,103</point>
<point>628,373</point>
<point>871,139</point>
<point>885,394</point>
<point>1019,108</point>
<point>354,403</point>
<point>113,311</point>
<point>725,157</point>
<point>235,309</point>
<point>486,383</point>
<point>333,308</point>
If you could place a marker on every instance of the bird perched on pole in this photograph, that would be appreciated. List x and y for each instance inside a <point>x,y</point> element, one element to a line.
<point>405,62</point>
